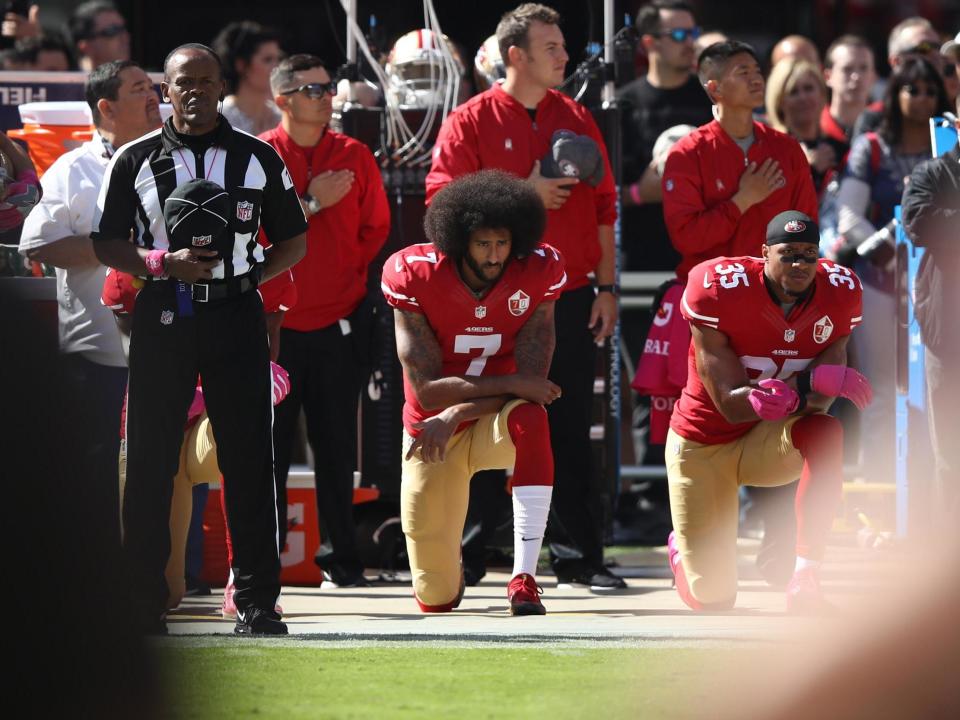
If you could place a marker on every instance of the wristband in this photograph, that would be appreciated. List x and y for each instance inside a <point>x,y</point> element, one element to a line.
<point>155,263</point>
<point>612,289</point>
<point>634,190</point>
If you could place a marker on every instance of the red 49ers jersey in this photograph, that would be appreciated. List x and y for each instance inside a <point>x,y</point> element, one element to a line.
<point>476,336</point>
<point>729,295</point>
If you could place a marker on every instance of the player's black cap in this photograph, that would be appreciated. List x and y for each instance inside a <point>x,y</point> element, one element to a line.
<point>574,156</point>
<point>197,214</point>
<point>793,226</point>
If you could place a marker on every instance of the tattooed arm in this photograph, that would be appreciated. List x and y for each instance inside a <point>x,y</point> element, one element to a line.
<point>422,361</point>
<point>535,342</point>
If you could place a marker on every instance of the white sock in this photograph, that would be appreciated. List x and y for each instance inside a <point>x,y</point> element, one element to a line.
<point>804,563</point>
<point>531,504</point>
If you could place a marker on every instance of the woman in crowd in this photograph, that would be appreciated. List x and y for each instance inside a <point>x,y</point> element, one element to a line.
<point>249,53</point>
<point>872,186</point>
<point>796,96</point>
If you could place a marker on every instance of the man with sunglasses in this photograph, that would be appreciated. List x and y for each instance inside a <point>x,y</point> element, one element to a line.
<point>99,34</point>
<point>753,409</point>
<point>324,339</point>
<point>668,95</point>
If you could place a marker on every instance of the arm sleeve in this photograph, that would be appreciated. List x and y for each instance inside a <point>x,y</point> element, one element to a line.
<point>700,304</point>
<point>374,209</point>
<point>929,216</point>
<point>605,193</point>
<point>396,282</point>
<point>51,219</point>
<point>281,215</point>
<point>694,228</point>
<point>116,210</point>
<point>455,153</point>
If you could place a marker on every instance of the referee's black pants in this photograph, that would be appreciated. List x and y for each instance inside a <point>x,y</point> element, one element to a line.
<point>575,526</point>
<point>325,368</point>
<point>225,342</point>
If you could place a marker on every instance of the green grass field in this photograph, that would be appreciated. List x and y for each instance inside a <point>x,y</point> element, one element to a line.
<point>314,680</point>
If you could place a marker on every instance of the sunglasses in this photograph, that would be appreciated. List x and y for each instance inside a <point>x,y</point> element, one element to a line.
<point>681,34</point>
<point>109,31</point>
<point>314,91</point>
<point>930,92</point>
<point>922,49</point>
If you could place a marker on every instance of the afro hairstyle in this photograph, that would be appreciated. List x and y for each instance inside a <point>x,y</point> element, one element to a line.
<point>490,199</point>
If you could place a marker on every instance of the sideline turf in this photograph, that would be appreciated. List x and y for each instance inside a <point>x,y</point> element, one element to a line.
<point>425,681</point>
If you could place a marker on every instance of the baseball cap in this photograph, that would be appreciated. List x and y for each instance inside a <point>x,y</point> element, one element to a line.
<point>573,156</point>
<point>196,214</point>
<point>792,226</point>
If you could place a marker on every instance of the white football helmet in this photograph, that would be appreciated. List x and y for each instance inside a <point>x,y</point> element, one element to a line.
<point>488,66</point>
<point>416,70</point>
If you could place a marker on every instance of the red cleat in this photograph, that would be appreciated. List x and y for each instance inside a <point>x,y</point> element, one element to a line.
<point>804,596</point>
<point>524,595</point>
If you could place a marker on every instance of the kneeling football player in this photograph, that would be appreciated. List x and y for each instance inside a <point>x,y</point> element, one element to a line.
<point>768,357</point>
<point>475,336</point>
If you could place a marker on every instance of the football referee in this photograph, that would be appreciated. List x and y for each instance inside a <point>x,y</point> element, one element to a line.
<point>182,207</point>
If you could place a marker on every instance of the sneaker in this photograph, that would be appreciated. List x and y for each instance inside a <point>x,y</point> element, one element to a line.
<point>228,609</point>
<point>600,579</point>
<point>336,580</point>
<point>257,621</point>
<point>804,596</point>
<point>524,595</point>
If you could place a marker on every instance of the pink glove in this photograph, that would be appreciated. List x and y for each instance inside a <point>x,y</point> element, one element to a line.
<point>841,381</point>
<point>281,382</point>
<point>780,401</point>
<point>197,406</point>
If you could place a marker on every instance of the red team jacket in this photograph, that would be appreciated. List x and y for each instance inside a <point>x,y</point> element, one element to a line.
<point>703,172</point>
<point>477,337</point>
<point>494,130</point>
<point>342,240</point>
<point>729,294</point>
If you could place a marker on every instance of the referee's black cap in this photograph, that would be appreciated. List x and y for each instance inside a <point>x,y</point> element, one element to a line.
<point>792,226</point>
<point>197,214</point>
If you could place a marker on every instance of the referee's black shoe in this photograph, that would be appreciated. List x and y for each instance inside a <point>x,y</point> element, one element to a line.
<point>257,621</point>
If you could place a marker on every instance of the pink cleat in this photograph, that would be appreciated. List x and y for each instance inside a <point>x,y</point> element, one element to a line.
<point>804,596</point>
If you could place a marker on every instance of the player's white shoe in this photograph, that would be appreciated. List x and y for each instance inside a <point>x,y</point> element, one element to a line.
<point>804,596</point>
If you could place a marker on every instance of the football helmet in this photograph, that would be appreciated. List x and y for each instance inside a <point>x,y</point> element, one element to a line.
<point>417,72</point>
<point>488,66</point>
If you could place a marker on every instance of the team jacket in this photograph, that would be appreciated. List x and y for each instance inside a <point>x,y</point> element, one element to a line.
<point>342,240</point>
<point>476,336</point>
<point>730,295</point>
<point>703,172</point>
<point>493,130</point>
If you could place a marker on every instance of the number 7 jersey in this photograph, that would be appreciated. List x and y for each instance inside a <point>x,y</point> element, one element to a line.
<point>730,295</point>
<point>476,335</point>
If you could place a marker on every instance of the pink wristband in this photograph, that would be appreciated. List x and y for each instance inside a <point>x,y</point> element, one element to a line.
<point>154,262</point>
<point>635,194</point>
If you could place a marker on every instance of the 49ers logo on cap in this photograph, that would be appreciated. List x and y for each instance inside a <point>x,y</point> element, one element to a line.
<point>244,211</point>
<point>518,303</point>
<point>822,329</point>
<point>795,226</point>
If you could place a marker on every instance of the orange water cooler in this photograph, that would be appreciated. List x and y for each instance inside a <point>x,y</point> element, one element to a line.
<point>52,128</point>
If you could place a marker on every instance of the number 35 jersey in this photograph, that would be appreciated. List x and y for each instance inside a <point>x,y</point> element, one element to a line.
<point>730,295</point>
<point>477,336</point>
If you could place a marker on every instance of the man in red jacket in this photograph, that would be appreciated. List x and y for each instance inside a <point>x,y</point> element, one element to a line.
<point>509,127</point>
<point>323,338</point>
<point>726,180</point>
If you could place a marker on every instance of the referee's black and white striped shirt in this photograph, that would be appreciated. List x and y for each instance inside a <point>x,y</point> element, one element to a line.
<point>143,173</point>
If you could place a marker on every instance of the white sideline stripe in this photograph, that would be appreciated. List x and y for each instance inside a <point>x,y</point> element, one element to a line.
<point>711,321</point>
<point>398,296</point>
